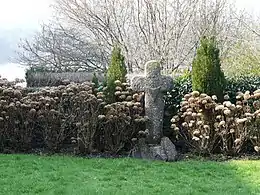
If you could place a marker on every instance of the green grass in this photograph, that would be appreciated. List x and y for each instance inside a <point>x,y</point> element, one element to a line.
<point>26,174</point>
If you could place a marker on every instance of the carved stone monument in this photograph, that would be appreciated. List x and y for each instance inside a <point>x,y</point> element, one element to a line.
<point>154,146</point>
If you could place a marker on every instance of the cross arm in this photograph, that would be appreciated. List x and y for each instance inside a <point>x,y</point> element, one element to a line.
<point>166,83</point>
<point>138,83</point>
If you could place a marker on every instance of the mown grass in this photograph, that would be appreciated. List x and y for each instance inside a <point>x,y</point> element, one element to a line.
<point>28,174</point>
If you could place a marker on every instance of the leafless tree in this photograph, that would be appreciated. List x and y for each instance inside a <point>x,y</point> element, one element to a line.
<point>221,19</point>
<point>244,56</point>
<point>61,49</point>
<point>153,29</point>
<point>145,29</point>
<point>166,30</point>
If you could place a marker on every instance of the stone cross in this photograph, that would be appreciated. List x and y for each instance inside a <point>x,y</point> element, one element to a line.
<point>153,84</point>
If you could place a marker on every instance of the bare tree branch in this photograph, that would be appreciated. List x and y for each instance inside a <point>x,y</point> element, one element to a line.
<point>62,49</point>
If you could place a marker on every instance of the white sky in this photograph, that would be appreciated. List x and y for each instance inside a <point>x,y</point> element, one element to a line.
<point>249,5</point>
<point>23,13</point>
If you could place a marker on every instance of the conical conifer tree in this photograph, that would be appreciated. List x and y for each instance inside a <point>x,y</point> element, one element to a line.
<point>207,76</point>
<point>116,71</point>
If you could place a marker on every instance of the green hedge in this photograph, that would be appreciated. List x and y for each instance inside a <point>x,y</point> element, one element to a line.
<point>183,86</point>
<point>242,84</point>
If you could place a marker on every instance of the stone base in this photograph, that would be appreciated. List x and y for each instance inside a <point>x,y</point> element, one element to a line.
<point>166,151</point>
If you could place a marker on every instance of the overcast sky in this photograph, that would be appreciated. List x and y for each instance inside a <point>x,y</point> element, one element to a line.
<point>23,16</point>
<point>23,13</point>
<point>249,5</point>
<point>18,18</point>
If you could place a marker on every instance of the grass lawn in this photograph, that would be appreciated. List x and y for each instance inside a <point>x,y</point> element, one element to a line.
<point>27,174</point>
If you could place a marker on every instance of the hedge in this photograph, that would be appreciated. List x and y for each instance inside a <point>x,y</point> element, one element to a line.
<point>68,118</point>
<point>183,86</point>
<point>75,117</point>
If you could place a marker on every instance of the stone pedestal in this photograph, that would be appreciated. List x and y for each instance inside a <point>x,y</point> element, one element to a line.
<point>166,151</point>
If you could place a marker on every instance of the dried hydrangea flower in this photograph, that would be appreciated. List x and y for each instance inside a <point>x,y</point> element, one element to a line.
<point>196,138</point>
<point>195,93</point>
